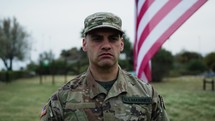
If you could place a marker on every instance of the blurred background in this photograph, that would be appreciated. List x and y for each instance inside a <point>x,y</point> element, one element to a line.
<point>40,50</point>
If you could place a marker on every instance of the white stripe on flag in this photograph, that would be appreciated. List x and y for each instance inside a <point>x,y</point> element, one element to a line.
<point>140,4</point>
<point>154,8</point>
<point>161,27</point>
<point>159,21</point>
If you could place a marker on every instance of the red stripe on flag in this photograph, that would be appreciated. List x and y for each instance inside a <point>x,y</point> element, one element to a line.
<point>175,26</point>
<point>155,20</point>
<point>150,26</point>
<point>145,6</point>
<point>144,67</point>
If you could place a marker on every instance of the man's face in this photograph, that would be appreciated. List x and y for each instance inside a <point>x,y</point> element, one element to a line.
<point>103,47</point>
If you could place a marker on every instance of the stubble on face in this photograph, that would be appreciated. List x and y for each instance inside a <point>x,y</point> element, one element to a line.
<point>102,58</point>
<point>103,53</point>
<point>106,59</point>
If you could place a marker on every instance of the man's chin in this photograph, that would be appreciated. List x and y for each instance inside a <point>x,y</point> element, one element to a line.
<point>106,64</point>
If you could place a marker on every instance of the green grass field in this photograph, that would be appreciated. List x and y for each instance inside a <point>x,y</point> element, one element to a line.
<point>185,100</point>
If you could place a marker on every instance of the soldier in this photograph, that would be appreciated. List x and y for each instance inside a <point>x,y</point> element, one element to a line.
<point>104,92</point>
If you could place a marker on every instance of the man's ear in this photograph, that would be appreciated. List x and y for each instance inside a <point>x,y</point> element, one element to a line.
<point>84,45</point>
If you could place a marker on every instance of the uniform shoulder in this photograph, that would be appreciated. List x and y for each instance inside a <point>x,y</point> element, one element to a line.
<point>138,83</point>
<point>73,83</point>
<point>133,78</point>
<point>70,87</point>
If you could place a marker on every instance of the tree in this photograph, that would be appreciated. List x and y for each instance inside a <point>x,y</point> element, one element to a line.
<point>14,42</point>
<point>45,60</point>
<point>162,62</point>
<point>75,59</point>
<point>127,64</point>
<point>210,61</point>
<point>189,63</point>
<point>195,66</point>
<point>186,56</point>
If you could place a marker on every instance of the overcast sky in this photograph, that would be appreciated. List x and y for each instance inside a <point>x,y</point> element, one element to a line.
<point>56,24</point>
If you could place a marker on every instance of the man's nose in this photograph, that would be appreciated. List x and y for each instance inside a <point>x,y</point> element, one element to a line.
<point>106,44</point>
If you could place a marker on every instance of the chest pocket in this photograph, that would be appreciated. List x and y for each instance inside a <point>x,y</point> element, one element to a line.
<point>134,109</point>
<point>75,111</point>
<point>140,112</point>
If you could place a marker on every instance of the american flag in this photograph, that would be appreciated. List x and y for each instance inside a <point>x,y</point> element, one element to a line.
<point>156,21</point>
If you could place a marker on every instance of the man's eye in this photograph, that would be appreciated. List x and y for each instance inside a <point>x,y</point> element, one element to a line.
<point>97,39</point>
<point>114,38</point>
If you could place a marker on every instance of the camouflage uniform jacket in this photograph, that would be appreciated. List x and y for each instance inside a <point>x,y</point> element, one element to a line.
<point>83,99</point>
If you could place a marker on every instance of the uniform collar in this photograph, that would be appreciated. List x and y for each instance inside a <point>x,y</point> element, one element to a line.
<point>95,88</point>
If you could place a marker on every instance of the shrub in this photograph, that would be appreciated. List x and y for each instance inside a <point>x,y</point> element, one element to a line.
<point>8,76</point>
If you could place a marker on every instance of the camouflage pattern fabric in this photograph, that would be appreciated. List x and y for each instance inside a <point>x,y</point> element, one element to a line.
<point>101,20</point>
<point>83,99</point>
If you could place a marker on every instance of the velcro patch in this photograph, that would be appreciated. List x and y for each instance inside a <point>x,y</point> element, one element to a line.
<point>136,100</point>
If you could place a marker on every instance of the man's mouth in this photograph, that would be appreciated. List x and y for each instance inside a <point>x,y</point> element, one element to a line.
<point>106,55</point>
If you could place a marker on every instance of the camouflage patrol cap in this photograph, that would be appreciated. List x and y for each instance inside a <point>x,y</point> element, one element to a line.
<point>102,20</point>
